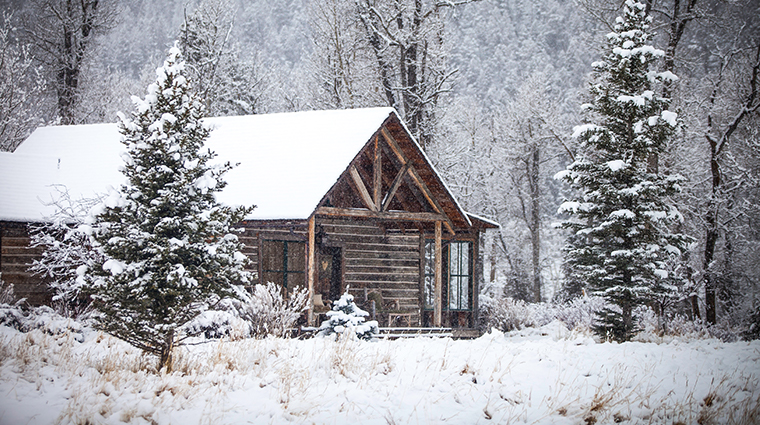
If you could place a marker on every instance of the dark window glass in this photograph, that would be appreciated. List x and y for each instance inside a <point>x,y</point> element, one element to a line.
<point>284,263</point>
<point>460,276</point>
<point>429,278</point>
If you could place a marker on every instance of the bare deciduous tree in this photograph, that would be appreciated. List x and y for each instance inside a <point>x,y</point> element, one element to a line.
<point>20,86</point>
<point>63,32</point>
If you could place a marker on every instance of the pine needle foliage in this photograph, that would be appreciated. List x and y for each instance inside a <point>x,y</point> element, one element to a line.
<point>621,243</point>
<point>169,250</point>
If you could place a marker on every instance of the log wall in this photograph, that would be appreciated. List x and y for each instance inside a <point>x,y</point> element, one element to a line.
<point>377,260</point>
<point>15,258</point>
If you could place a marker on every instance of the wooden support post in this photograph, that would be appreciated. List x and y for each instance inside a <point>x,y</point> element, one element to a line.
<point>378,170</point>
<point>311,262</point>
<point>438,276</point>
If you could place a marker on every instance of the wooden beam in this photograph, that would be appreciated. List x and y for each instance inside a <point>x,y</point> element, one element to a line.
<point>394,187</point>
<point>438,276</point>
<point>378,169</point>
<point>412,172</point>
<point>311,262</point>
<point>383,215</point>
<point>393,145</point>
<point>430,198</point>
<point>363,192</point>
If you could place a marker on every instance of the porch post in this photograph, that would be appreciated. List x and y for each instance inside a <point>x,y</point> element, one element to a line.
<point>438,276</point>
<point>310,269</point>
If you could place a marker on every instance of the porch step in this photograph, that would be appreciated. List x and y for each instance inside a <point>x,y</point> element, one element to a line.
<point>396,333</point>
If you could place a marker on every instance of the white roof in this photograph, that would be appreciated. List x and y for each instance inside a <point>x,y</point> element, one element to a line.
<point>287,162</point>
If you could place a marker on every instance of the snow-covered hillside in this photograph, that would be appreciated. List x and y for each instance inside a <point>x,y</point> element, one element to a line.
<point>544,376</point>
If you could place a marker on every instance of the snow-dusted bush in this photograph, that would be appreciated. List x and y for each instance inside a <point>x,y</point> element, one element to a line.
<point>6,292</point>
<point>579,313</point>
<point>264,312</point>
<point>658,329</point>
<point>346,316</point>
<point>507,314</point>
<point>222,322</point>
<point>65,248</point>
<point>271,313</point>
<point>11,314</point>
<point>44,318</point>
<point>752,330</point>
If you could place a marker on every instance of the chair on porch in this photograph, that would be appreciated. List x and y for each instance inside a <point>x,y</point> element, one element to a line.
<point>390,311</point>
<point>321,307</point>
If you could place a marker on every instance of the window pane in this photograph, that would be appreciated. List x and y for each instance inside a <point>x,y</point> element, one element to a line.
<point>464,294</point>
<point>429,292</point>
<point>429,258</point>
<point>429,278</point>
<point>296,257</point>
<point>271,258</point>
<point>274,277</point>
<point>454,294</point>
<point>295,279</point>
<point>465,259</point>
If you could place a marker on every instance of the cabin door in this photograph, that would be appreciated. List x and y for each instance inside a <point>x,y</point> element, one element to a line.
<point>330,273</point>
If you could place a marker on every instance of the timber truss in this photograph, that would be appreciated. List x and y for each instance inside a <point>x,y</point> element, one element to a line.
<point>396,190</point>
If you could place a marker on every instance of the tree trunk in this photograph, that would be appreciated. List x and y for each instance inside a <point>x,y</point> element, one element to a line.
<point>711,238</point>
<point>535,221</point>
<point>166,358</point>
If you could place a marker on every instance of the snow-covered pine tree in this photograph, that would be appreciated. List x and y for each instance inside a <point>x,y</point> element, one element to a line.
<point>620,242</point>
<point>169,251</point>
<point>346,315</point>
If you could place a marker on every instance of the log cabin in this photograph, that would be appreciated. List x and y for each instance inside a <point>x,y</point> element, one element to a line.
<point>344,200</point>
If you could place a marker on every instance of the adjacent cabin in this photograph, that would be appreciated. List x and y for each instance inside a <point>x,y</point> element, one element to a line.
<point>344,200</point>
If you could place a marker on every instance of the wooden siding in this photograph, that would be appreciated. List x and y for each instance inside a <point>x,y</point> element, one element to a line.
<point>377,260</point>
<point>15,258</point>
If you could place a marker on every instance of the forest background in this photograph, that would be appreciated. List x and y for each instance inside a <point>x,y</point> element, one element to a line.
<point>491,89</point>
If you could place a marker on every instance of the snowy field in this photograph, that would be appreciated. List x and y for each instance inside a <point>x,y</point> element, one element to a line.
<point>545,376</point>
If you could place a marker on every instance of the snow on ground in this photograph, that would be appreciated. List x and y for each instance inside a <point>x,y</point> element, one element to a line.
<point>537,376</point>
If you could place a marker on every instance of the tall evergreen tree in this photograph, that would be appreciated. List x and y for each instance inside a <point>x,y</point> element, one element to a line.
<point>621,244</point>
<point>166,243</point>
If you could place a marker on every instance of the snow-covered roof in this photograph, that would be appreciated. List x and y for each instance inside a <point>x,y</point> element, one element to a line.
<point>287,161</point>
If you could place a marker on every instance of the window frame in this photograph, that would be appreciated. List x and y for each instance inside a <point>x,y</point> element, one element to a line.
<point>428,275</point>
<point>284,272</point>
<point>450,278</point>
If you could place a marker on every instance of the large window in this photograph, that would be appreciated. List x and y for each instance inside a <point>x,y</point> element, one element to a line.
<point>457,275</point>
<point>460,275</point>
<point>283,263</point>
<point>429,277</point>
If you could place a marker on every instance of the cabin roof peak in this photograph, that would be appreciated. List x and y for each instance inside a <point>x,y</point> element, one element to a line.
<point>287,162</point>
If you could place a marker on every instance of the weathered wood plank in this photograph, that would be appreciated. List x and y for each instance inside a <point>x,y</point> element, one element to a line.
<point>394,187</point>
<point>363,192</point>
<point>438,275</point>
<point>378,171</point>
<point>383,277</point>
<point>383,215</point>
<point>400,255</point>
<point>311,268</point>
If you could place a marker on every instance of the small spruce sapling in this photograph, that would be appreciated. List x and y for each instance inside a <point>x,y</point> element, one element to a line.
<point>169,252</point>
<point>345,315</point>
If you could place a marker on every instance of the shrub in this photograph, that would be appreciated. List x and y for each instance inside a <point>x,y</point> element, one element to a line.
<point>271,313</point>
<point>346,316</point>
<point>264,312</point>
<point>507,314</point>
